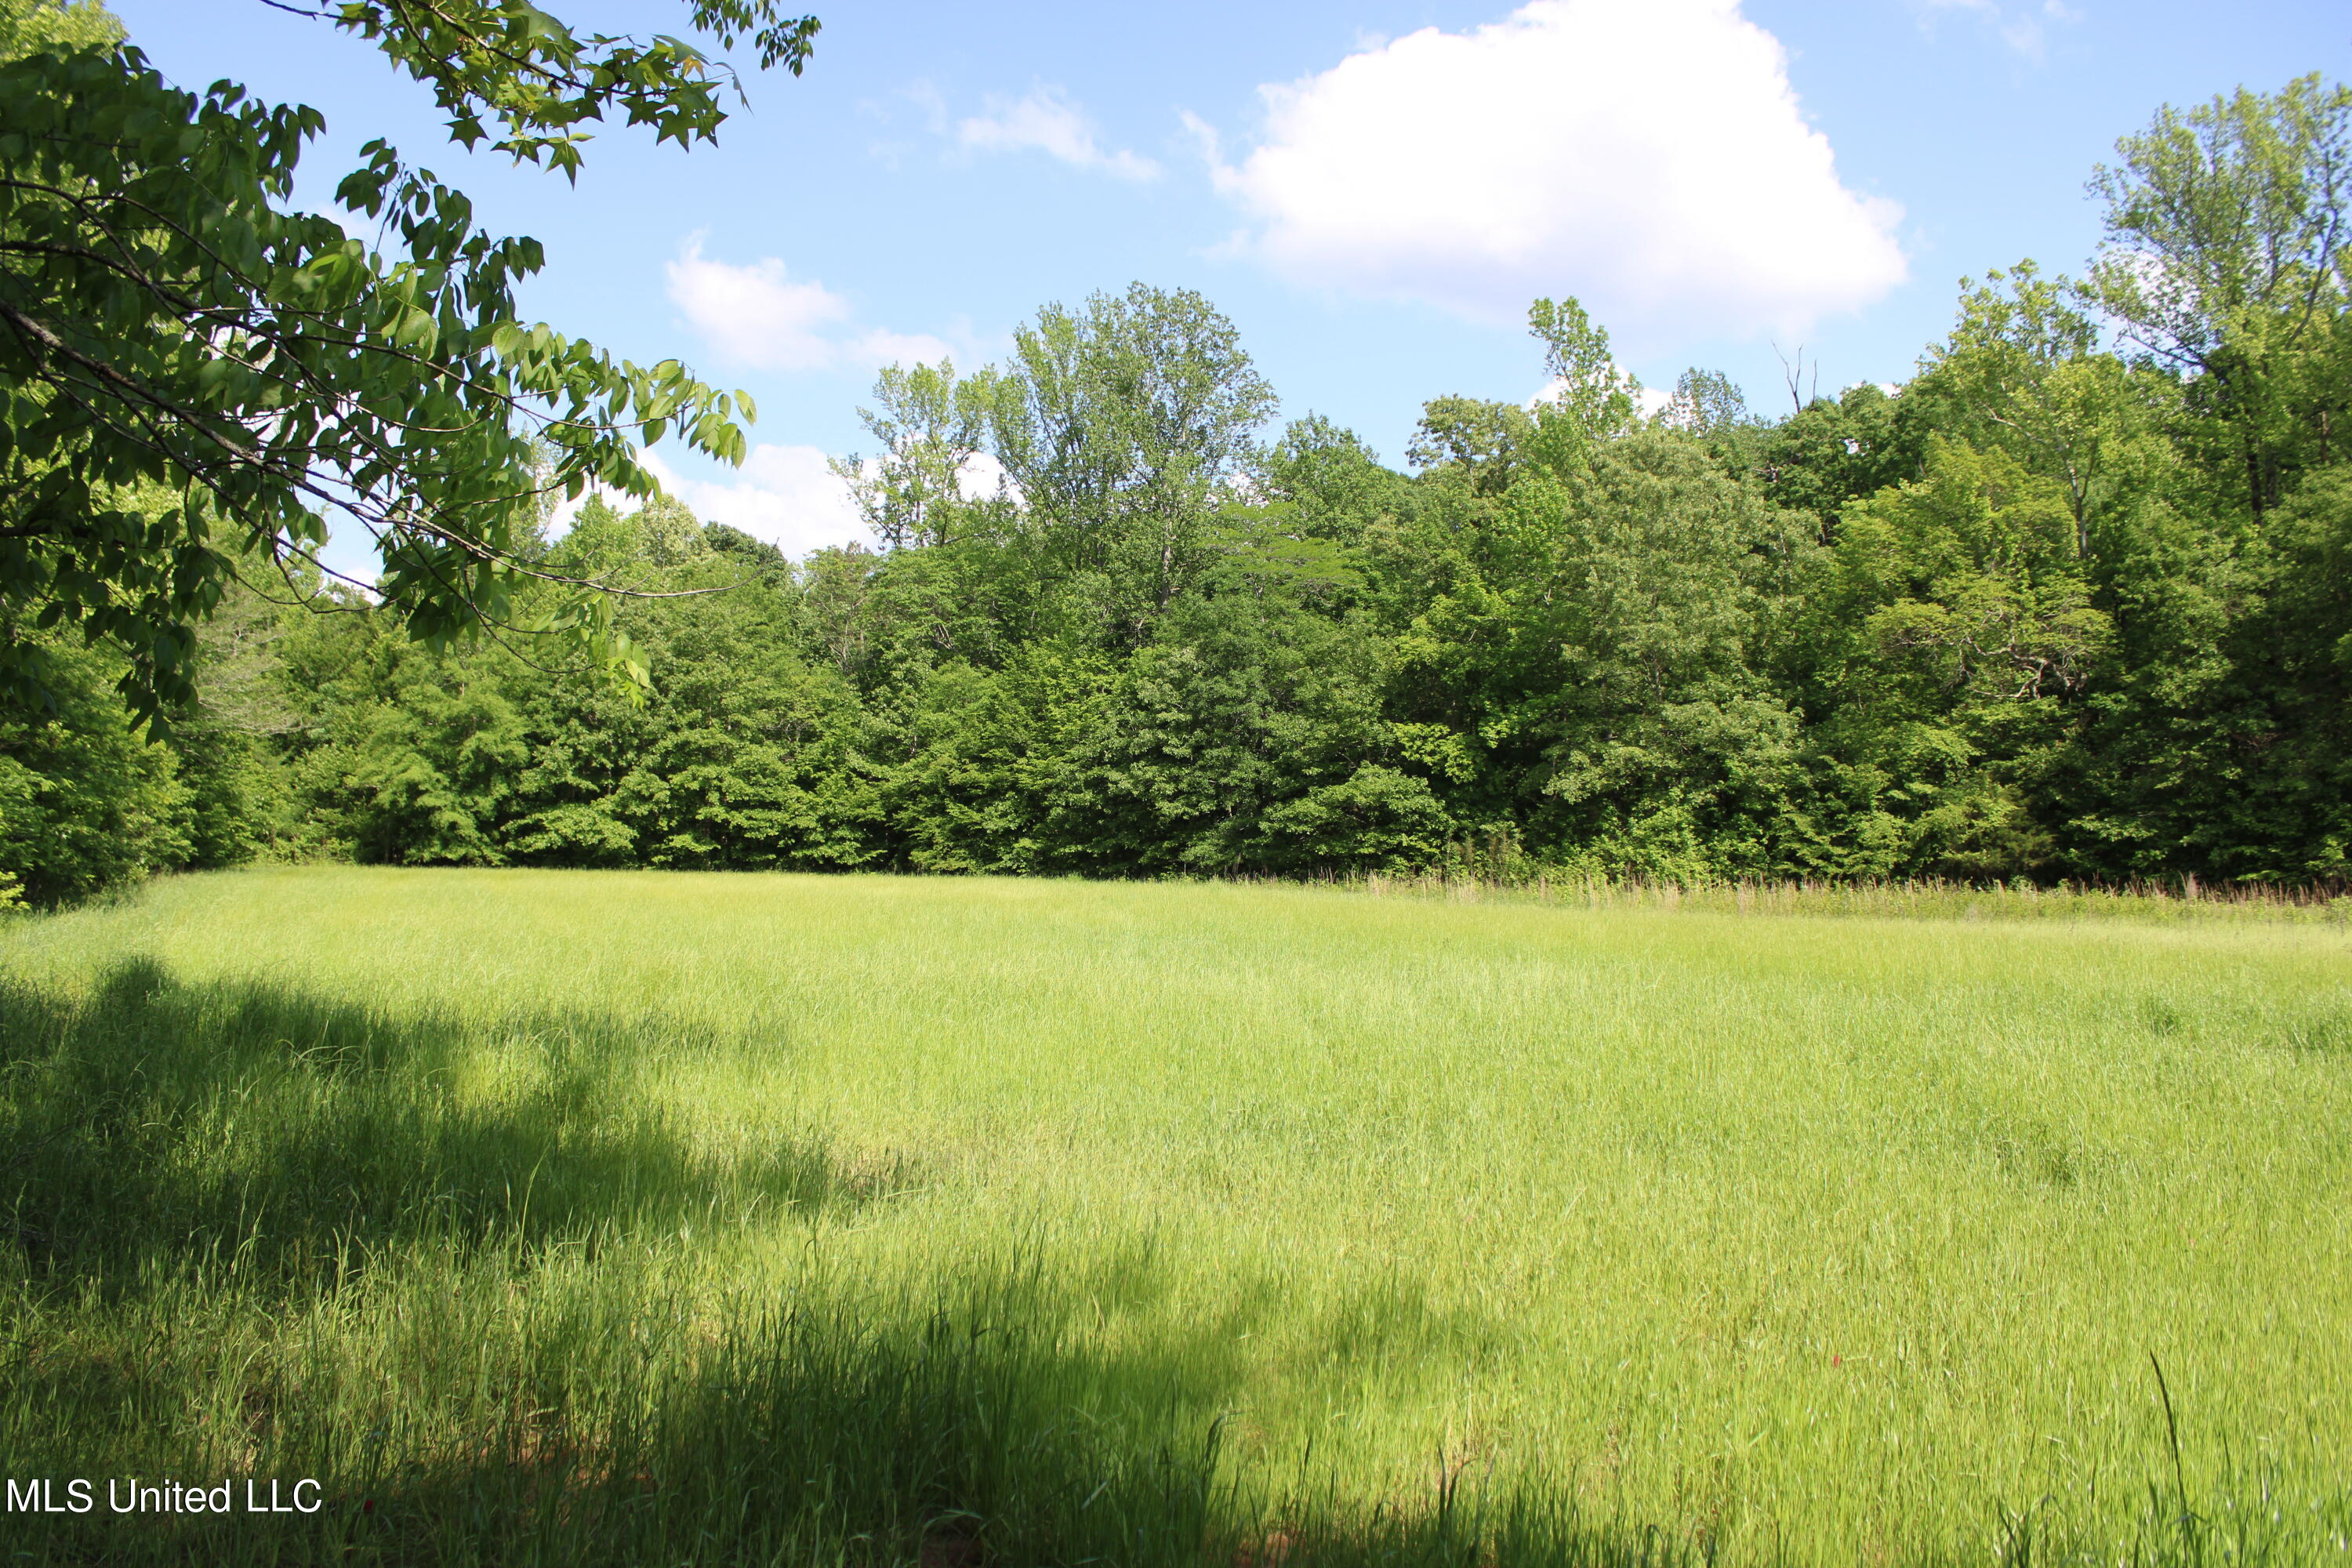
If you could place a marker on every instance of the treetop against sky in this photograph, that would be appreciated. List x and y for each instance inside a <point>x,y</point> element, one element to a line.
<point>1372,189</point>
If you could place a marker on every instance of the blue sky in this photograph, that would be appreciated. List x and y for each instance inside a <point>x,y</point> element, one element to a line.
<point>1371,189</point>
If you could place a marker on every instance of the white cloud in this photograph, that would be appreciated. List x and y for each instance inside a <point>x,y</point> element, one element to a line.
<point>760,317</point>
<point>981,478</point>
<point>787,496</point>
<point>784,495</point>
<point>1648,401</point>
<point>2024,28</point>
<point>1651,159</point>
<point>1047,122</point>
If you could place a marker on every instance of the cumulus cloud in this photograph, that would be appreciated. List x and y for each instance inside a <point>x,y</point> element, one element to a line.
<point>980,477</point>
<point>789,496</point>
<point>760,317</point>
<point>1047,122</point>
<point>784,495</point>
<point>1651,159</point>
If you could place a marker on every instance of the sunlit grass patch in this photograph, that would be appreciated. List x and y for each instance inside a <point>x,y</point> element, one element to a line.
<point>636,1217</point>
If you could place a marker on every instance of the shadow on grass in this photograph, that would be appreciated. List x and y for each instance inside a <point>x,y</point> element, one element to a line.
<point>425,1259</point>
<point>155,1124</point>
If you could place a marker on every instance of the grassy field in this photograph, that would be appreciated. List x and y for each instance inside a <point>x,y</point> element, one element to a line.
<point>641,1218</point>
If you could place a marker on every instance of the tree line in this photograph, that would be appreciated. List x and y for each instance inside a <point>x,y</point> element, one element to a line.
<point>2074,602</point>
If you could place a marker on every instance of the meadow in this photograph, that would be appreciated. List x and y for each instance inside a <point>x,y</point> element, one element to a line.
<point>645,1218</point>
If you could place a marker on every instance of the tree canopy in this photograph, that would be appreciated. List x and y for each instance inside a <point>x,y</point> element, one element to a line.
<point>196,380</point>
<point>2073,601</point>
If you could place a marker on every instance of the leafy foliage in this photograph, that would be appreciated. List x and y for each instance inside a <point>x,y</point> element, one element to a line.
<point>167,325</point>
<point>2026,615</point>
<point>542,80</point>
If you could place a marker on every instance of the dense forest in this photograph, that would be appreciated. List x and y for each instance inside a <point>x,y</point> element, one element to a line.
<point>2073,602</point>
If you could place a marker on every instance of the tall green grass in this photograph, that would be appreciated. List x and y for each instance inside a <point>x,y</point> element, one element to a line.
<point>1481,879</point>
<point>633,1218</point>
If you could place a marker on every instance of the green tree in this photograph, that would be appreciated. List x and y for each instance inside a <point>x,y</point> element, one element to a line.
<point>2224,262</point>
<point>1472,441</point>
<point>2024,370</point>
<point>1248,733</point>
<point>2289,817</point>
<point>85,804</point>
<point>1706,404</point>
<point>165,320</point>
<point>1336,481</point>
<point>1661,746</point>
<point>1834,451</point>
<point>2015,617</point>
<point>1587,400</point>
<point>1953,641</point>
<point>931,423</point>
<point>27,25</point>
<point>1123,426</point>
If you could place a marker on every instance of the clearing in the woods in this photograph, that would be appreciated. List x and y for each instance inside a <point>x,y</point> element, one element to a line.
<point>647,1218</point>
